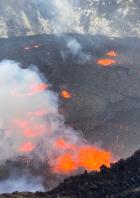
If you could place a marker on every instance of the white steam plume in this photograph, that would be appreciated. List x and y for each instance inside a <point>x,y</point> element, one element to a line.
<point>76,49</point>
<point>30,124</point>
<point>17,104</point>
<point>23,184</point>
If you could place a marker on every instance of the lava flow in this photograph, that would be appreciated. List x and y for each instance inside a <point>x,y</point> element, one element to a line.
<point>112,53</point>
<point>106,62</point>
<point>65,94</point>
<point>87,157</point>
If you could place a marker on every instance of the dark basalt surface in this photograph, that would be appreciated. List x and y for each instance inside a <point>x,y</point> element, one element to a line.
<point>122,180</point>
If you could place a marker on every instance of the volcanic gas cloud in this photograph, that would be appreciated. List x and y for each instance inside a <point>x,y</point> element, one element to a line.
<point>32,125</point>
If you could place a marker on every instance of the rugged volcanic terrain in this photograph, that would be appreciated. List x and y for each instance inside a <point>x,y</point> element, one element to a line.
<point>30,17</point>
<point>122,180</point>
<point>105,102</point>
<point>102,76</point>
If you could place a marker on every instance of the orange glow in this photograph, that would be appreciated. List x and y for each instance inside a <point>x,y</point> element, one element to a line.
<point>21,123</point>
<point>34,131</point>
<point>112,53</point>
<point>27,147</point>
<point>62,144</point>
<point>30,129</point>
<point>87,157</point>
<point>106,62</point>
<point>66,94</point>
<point>38,88</point>
<point>91,158</point>
<point>34,89</point>
<point>65,164</point>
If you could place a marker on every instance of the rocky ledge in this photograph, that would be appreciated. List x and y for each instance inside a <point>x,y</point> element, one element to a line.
<point>120,180</point>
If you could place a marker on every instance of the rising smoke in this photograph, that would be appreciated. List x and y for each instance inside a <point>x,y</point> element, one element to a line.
<point>21,183</point>
<point>32,125</point>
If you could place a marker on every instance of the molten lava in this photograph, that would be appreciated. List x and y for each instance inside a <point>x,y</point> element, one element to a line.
<point>91,158</point>
<point>65,94</point>
<point>112,53</point>
<point>65,164</point>
<point>106,62</point>
<point>88,157</point>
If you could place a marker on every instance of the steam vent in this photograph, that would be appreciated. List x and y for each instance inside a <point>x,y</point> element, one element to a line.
<point>69,99</point>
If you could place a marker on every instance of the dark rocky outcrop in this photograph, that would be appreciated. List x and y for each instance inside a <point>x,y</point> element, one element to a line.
<point>122,180</point>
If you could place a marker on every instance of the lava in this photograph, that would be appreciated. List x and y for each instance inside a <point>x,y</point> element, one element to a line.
<point>106,62</point>
<point>65,94</point>
<point>91,158</point>
<point>65,164</point>
<point>112,53</point>
<point>88,157</point>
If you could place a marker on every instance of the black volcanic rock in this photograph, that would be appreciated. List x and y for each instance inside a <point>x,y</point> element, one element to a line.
<point>121,180</point>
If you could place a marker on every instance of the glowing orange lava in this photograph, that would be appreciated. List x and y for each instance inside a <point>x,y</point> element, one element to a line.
<point>27,147</point>
<point>106,62</point>
<point>87,157</point>
<point>65,164</point>
<point>112,53</point>
<point>91,158</point>
<point>65,94</point>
